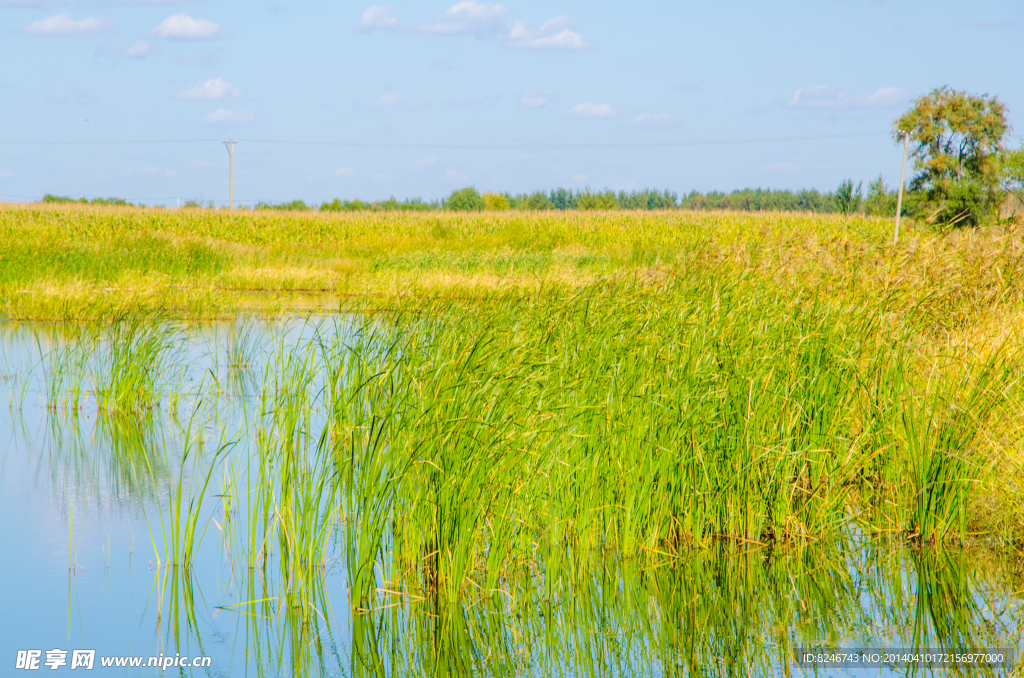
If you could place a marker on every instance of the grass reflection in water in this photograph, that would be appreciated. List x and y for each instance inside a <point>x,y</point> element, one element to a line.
<point>591,485</point>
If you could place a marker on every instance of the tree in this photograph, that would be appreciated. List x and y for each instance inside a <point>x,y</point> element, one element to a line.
<point>1013,173</point>
<point>293,206</point>
<point>605,200</point>
<point>465,200</point>
<point>538,200</point>
<point>881,202</point>
<point>957,138</point>
<point>563,199</point>
<point>847,198</point>
<point>496,201</point>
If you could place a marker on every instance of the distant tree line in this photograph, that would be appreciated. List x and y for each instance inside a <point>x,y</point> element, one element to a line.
<point>848,198</point>
<point>65,200</point>
<point>963,174</point>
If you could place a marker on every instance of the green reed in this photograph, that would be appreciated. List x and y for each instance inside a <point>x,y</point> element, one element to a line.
<point>135,353</point>
<point>620,423</point>
<point>290,497</point>
<point>65,368</point>
<point>490,471</point>
<point>724,611</point>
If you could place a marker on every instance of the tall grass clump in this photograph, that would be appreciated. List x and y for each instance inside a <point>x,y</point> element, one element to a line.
<point>943,430</point>
<point>134,355</point>
<point>181,527</point>
<point>291,492</point>
<point>65,369</point>
<point>634,423</point>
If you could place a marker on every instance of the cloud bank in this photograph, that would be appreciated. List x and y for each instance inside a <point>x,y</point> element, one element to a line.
<point>217,88</point>
<point>137,51</point>
<point>27,3</point>
<point>589,110</point>
<point>482,21</point>
<point>388,102</point>
<point>184,27</point>
<point>534,99</point>
<point>377,17</point>
<point>819,97</point>
<point>65,24</point>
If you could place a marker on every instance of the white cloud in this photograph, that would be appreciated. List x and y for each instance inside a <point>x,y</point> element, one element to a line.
<point>564,39</point>
<point>27,3</point>
<point>825,98</point>
<point>171,173</point>
<point>184,27</point>
<point>533,99</point>
<point>137,51</point>
<point>143,170</point>
<point>65,24</point>
<point>589,110</point>
<point>427,162</point>
<point>653,120</point>
<point>217,88</point>
<point>579,178</point>
<point>387,102</point>
<point>554,33</point>
<point>381,177</point>
<point>483,21</point>
<point>377,17</point>
<point>455,175</point>
<point>222,115</point>
<point>6,174</point>
<point>200,163</point>
<point>468,18</point>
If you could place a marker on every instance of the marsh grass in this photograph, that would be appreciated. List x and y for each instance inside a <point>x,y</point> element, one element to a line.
<point>181,528</point>
<point>725,611</point>
<point>134,355</point>
<point>625,424</point>
<point>74,262</point>
<point>66,370</point>
<point>668,398</point>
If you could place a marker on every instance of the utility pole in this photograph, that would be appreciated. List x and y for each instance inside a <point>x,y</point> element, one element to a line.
<point>230,144</point>
<point>899,199</point>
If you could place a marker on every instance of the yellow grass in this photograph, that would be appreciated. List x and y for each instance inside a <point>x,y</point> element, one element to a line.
<point>56,259</point>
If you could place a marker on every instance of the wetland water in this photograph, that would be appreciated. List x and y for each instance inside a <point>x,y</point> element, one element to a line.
<point>173,492</point>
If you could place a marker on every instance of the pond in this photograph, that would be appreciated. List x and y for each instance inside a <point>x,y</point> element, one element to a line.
<point>193,500</point>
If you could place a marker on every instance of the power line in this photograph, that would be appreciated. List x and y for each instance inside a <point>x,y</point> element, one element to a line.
<point>106,143</point>
<point>517,146</point>
<point>440,146</point>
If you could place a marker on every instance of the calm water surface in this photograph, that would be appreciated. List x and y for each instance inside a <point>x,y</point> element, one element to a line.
<point>85,499</point>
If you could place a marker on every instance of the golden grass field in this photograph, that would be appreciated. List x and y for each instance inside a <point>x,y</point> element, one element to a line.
<point>924,336</point>
<point>72,262</point>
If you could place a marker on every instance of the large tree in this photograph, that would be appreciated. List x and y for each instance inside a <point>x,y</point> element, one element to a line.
<point>957,139</point>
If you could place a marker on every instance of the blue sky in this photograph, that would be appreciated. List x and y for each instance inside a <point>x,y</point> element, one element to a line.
<point>516,96</point>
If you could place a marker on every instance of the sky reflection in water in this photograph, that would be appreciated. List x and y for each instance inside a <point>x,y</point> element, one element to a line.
<point>106,585</point>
